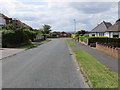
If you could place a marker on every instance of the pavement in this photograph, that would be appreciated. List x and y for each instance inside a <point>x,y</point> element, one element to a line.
<point>110,62</point>
<point>6,52</point>
<point>49,65</point>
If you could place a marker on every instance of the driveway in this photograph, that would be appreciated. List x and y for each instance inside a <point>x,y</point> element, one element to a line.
<point>47,66</point>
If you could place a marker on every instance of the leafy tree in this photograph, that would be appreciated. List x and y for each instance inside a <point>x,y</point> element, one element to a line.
<point>53,34</point>
<point>46,29</point>
<point>38,32</point>
<point>81,32</point>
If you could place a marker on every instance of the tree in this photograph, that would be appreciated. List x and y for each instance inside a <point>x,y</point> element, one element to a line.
<point>46,29</point>
<point>81,32</point>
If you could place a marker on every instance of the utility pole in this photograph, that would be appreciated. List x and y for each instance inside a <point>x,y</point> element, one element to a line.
<point>74,26</point>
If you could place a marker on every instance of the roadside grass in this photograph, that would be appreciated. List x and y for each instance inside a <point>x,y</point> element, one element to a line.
<point>33,45</point>
<point>47,40</point>
<point>98,74</point>
<point>70,43</point>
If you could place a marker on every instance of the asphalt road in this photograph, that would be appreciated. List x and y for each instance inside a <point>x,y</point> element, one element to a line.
<point>47,66</point>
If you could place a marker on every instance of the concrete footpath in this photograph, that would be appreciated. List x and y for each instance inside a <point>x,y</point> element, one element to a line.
<point>110,62</point>
<point>6,52</point>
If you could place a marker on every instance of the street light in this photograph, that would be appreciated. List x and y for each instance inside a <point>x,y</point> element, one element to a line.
<point>74,26</point>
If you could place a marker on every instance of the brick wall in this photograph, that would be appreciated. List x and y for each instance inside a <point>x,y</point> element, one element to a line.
<point>112,51</point>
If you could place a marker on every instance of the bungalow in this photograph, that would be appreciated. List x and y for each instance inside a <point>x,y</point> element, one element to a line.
<point>4,20</point>
<point>100,29</point>
<point>114,30</point>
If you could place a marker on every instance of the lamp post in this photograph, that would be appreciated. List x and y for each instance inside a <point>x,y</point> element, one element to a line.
<point>74,26</point>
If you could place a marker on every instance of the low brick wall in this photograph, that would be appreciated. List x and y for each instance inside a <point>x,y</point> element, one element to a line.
<point>112,51</point>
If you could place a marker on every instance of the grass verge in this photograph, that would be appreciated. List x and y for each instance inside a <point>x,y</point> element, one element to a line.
<point>70,43</point>
<point>98,74</point>
<point>33,45</point>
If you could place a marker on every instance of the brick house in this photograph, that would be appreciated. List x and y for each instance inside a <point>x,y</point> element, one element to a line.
<point>4,20</point>
<point>18,22</point>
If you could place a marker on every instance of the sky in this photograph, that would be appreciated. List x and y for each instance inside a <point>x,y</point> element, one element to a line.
<point>60,15</point>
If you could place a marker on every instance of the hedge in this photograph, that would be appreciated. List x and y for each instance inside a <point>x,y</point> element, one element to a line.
<point>93,40</point>
<point>103,40</point>
<point>12,38</point>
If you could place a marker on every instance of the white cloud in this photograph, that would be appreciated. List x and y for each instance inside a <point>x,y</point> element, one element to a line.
<point>60,15</point>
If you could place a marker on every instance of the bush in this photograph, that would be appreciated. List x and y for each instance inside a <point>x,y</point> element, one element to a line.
<point>53,35</point>
<point>12,38</point>
<point>93,40</point>
<point>83,39</point>
<point>31,34</point>
<point>103,40</point>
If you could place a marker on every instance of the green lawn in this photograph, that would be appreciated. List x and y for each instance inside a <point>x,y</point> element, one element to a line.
<point>33,45</point>
<point>70,43</point>
<point>98,74</point>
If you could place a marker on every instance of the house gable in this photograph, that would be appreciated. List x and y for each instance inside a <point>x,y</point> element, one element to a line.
<point>101,27</point>
<point>115,27</point>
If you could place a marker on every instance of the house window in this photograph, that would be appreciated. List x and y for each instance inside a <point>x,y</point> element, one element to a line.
<point>115,35</point>
<point>93,34</point>
<point>101,34</point>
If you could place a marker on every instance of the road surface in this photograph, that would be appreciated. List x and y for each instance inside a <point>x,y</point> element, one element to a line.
<point>47,66</point>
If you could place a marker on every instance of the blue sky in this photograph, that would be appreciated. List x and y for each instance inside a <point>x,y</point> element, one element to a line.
<point>60,15</point>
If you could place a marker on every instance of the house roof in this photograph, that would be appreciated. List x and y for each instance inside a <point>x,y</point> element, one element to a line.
<point>115,27</point>
<point>102,27</point>
<point>3,16</point>
<point>22,24</point>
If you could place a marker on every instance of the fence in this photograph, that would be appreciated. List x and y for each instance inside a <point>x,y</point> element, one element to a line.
<point>108,49</point>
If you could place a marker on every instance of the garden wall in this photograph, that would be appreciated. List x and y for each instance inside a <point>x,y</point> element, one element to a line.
<point>112,51</point>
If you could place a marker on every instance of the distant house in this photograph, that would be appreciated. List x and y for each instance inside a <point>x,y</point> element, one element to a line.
<point>101,29</point>
<point>4,20</point>
<point>114,30</point>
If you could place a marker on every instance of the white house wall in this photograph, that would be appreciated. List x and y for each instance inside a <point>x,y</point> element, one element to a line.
<point>92,34</point>
<point>97,34</point>
<point>110,34</point>
<point>107,34</point>
<point>2,22</point>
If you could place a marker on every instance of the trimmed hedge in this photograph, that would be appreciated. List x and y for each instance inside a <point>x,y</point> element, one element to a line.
<point>103,40</point>
<point>93,40</point>
<point>12,38</point>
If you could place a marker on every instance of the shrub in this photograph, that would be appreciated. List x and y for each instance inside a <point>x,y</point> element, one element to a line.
<point>12,38</point>
<point>31,34</point>
<point>103,40</point>
<point>93,40</point>
<point>83,39</point>
<point>53,35</point>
